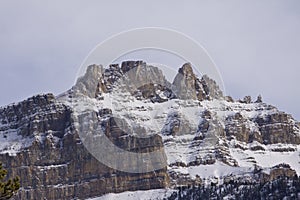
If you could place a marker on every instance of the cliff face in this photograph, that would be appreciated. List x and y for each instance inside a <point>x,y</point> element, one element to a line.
<point>201,134</point>
<point>44,149</point>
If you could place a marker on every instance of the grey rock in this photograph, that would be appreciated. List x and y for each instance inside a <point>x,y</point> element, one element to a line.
<point>88,84</point>
<point>188,86</point>
<point>259,99</point>
<point>277,127</point>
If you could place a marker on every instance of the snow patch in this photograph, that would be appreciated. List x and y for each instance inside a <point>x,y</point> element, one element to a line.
<point>12,143</point>
<point>137,195</point>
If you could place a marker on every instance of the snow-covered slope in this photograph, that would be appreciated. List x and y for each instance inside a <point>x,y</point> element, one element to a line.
<point>188,144</point>
<point>138,195</point>
<point>205,139</point>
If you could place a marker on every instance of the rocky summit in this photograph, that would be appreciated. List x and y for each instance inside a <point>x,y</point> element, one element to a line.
<point>209,142</point>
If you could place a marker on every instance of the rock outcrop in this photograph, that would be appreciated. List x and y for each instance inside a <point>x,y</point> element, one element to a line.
<point>281,170</point>
<point>275,127</point>
<point>89,83</point>
<point>240,128</point>
<point>185,83</point>
<point>278,127</point>
<point>36,115</point>
<point>188,86</point>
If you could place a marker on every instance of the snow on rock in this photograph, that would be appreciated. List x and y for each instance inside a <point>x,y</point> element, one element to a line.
<point>11,142</point>
<point>177,121</point>
<point>137,195</point>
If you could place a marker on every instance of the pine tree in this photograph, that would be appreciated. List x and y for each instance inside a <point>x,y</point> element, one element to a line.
<point>7,188</point>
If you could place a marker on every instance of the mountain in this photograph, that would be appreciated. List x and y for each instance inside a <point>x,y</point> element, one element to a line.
<point>172,139</point>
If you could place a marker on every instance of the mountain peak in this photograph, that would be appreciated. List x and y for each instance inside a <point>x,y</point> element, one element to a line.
<point>189,86</point>
<point>88,83</point>
<point>186,69</point>
<point>138,75</point>
<point>130,64</point>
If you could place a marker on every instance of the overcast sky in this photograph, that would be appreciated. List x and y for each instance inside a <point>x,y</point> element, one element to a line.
<point>255,45</point>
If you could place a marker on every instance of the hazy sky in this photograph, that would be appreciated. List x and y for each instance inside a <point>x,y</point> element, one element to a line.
<point>255,44</point>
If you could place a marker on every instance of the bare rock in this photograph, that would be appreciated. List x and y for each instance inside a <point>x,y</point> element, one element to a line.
<point>184,83</point>
<point>278,127</point>
<point>188,86</point>
<point>88,84</point>
<point>259,99</point>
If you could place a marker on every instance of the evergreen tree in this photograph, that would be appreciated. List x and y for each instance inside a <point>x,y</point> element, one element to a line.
<point>7,188</point>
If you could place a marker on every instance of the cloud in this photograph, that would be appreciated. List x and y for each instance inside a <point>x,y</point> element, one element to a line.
<point>254,44</point>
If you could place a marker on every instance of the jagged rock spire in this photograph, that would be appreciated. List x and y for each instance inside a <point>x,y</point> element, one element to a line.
<point>184,83</point>
<point>188,86</point>
<point>88,83</point>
